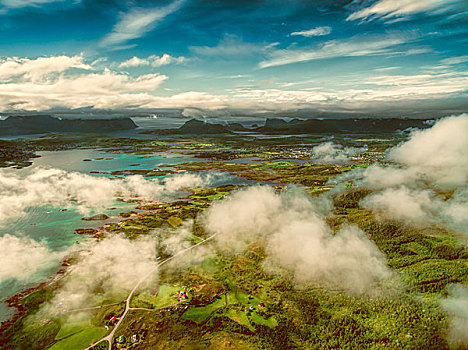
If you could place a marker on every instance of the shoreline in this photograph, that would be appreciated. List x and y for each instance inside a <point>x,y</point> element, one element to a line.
<point>15,301</point>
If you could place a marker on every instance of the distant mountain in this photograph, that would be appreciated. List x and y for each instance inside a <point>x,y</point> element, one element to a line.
<point>195,127</point>
<point>39,124</point>
<point>299,126</point>
<point>237,127</point>
<point>318,126</point>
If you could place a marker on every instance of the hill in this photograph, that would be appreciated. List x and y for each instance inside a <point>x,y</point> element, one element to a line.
<point>38,124</point>
<point>193,127</point>
<point>317,126</point>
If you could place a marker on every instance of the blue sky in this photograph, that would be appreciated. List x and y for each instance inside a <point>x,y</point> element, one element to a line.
<point>398,57</point>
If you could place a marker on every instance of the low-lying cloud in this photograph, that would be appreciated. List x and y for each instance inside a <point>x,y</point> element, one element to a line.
<point>332,153</point>
<point>456,305</point>
<point>109,269</point>
<point>298,239</point>
<point>440,153</point>
<point>22,257</point>
<point>426,181</point>
<point>20,190</point>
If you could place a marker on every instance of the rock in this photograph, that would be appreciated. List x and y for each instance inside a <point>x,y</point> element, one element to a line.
<point>86,231</point>
<point>96,217</point>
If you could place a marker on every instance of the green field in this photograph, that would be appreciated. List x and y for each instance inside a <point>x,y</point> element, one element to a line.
<point>80,340</point>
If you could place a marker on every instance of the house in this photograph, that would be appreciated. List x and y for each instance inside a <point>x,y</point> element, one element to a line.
<point>121,340</point>
<point>135,338</point>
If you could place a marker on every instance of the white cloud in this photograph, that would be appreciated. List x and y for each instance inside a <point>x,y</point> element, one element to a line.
<point>22,257</point>
<point>441,152</point>
<point>24,3</point>
<point>319,31</point>
<point>456,305</point>
<point>231,46</point>
<point>387,9</point>
<point>37,186</point>
<point>35,69</point>
<point>332,153</point>
<point>153,60</point>
<point>66,82</point>
<point>135,62</point>
<point>136,23</point>
<point>427,183</point>
<point>298,239</point>
<point>455,60</point>
<point>100,90</point>
<point>360,45</point>
<point>108,269</point>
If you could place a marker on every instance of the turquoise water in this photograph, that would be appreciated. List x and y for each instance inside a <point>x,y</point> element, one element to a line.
<point>73,160</point>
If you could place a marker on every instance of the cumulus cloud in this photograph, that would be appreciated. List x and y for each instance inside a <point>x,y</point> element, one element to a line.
<point>298,239</point>
<point>106,270</point>
<point>440,152</point>
<point>105,89</point>
<point>456,305</point>
<point>136,23</point>
<point>134,62</point>
<point>318,31</point>
<point>421,206</point>
<point>36,69</point>
<point>426,181</point>
<point>404,204</point>
<point>332,153</point>
<point>38,186</point>
<point>153,60</point>
<point>22,257</point>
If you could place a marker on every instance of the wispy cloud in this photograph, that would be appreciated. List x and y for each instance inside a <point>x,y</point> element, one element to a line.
<point>153,60</point>
<point>25,3</point>
<point>136,23</point>
<point>455,60</point>
<point>360,45</point>
<point>229,46</point>
<point>391,9</point>
<point>319,31</point>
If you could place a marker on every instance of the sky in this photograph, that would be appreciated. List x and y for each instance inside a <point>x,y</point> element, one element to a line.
<point>377,57</point>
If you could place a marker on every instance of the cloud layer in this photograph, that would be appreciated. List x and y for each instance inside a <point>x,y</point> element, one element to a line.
<point>61,82</point>
<point>37,187</point>
<point>426,181</point>
<point>298,239</point>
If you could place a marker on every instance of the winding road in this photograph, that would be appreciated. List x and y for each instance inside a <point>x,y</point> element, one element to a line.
<point>110,336</point>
